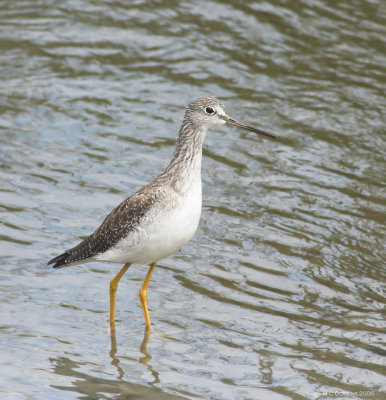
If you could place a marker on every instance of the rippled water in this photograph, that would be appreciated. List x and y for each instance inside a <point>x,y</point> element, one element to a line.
<point>280,295</point>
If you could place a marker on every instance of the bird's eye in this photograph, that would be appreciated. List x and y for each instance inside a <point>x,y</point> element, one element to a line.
<point>209,110</point>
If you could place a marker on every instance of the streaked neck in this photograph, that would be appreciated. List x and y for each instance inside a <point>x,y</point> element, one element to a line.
<point>187,154</point>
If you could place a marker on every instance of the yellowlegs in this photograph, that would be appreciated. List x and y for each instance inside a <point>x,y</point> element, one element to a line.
<point>161,217</point>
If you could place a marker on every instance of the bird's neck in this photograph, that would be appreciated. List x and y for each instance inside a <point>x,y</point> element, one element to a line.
<point>187,156</point>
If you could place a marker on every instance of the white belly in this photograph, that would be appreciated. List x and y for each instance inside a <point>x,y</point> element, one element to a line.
<point>161,233</point>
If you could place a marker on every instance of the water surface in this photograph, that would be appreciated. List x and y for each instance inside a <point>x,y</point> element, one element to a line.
<point>280,295</point>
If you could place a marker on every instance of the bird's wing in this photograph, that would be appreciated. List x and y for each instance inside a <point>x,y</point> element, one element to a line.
<point>116,225</point>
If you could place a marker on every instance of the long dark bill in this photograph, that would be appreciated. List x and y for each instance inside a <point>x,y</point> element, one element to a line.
<point>234,122</point>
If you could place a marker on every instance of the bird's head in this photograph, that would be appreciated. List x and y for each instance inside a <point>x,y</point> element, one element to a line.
<point>209,111</point>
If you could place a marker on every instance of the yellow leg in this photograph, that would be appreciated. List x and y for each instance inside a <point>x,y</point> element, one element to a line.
<point>143,295</point>
<point>113,290</point>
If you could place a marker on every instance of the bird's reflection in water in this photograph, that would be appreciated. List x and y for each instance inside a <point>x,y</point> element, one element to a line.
<point>113,353</point>
<point>143,349</point>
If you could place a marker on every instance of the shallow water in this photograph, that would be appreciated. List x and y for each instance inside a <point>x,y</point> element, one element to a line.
<point>280,295</point>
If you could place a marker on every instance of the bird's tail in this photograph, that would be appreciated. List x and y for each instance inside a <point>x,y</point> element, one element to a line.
<point>60,261</point>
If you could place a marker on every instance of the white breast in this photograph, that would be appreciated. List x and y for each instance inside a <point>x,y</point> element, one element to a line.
<point>162,232</point>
